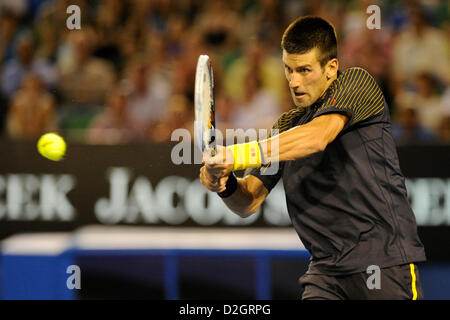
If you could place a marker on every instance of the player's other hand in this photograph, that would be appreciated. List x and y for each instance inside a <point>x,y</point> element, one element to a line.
<point>214,174</point>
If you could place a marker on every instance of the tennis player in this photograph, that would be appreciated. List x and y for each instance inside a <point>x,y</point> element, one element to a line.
<point>345,191</point>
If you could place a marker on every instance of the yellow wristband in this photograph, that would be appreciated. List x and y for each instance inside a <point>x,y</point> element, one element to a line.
<point>246,155</point>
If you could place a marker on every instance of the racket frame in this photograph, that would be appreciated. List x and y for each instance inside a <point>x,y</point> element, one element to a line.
<point>205,133</point>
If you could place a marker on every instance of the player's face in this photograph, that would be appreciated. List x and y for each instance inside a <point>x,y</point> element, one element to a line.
<point>307,79</point>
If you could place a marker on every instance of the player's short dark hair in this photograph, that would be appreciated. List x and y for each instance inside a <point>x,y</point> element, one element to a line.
<point>307,33</point>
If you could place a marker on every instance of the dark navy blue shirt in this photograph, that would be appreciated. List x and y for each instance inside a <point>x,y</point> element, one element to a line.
<point>349,203</point>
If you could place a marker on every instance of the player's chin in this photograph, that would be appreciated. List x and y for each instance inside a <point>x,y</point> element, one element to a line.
<point>301,103</point>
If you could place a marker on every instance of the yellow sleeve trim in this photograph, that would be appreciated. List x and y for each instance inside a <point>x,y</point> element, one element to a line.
<point>413,281</point>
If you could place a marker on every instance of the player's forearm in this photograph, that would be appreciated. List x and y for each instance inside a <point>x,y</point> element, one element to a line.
<point>244,201</point>
<point>303,140</point>
<point>299,142</point>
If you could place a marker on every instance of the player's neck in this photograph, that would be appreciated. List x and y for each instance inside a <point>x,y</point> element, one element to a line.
<point>329,83</point>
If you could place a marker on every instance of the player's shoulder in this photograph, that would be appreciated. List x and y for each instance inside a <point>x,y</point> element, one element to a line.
<point>356,78</point>
<point>353,72</point>
<point>355,75</point>
<point>284,122</point>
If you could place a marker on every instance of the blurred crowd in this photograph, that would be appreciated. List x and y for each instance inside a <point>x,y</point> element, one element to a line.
<point>128,74</point>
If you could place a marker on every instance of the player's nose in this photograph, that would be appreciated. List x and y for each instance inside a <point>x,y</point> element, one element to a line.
<point>294,81</point>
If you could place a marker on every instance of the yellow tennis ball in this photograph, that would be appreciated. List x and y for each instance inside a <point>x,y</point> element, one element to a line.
<point>52,146</point>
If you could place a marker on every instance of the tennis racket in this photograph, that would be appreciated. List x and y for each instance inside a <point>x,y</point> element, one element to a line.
<point>205,130</point>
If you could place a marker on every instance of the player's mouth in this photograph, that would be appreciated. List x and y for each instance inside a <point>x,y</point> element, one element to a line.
<point>299,95</point>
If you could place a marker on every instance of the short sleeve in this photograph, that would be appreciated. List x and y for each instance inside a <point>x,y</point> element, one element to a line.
<point>271,174</point>
<point>268,176</point>
<point>355,93</point>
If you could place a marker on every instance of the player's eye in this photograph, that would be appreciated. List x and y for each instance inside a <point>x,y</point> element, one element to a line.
<point>304,70</point>
<point>288,69</point>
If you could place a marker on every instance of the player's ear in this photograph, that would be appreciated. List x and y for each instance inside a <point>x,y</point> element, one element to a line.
<point>332,68</point>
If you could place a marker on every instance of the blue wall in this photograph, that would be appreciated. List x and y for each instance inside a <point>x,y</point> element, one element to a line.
<point>44,277</point>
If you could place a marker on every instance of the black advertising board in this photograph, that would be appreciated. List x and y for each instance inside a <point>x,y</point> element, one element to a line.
<point>139,184</point>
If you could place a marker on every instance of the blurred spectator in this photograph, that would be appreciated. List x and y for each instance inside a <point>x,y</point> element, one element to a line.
<point>263,20</point>
<point>155,51</point>
<point>328,9</point>
<point>425,100</point>
<point>446,100</point>
<point>8,29</point>
<point>184,68</point>
<point>151,48</point>
<point>444,124</point>
<point>83,77</point>
<point>24,62</point>
<point>269,69</point>
<point>3,112</point>
<point>259,108</point>
<point>84,82</point>
<point>32,110</point>
<point>148,93</point>
<point>175,36</point>
<point>18,7</point>
<point>420,48</point>
<point>224,111</point>
<point>47,36</point>
<point>113,125</point>
<point>366,48</point>
<point>219,26</point>
<point>180,116</point>
<point>110,21</point>
<point>444,129</point>
<point>407,129</point>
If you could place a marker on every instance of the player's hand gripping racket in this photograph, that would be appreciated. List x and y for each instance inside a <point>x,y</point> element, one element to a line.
<point>205,134</point>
